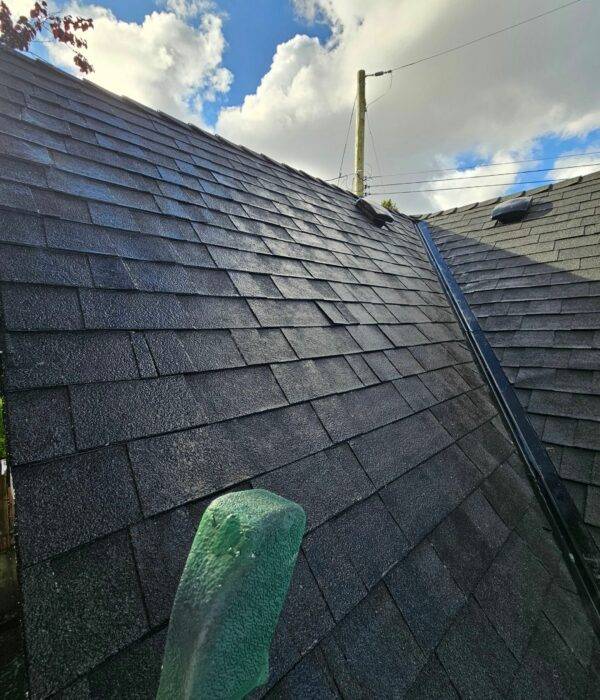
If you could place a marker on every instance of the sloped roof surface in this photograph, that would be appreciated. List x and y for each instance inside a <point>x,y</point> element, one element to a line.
<point>183,316</point>
<point>535,287</point>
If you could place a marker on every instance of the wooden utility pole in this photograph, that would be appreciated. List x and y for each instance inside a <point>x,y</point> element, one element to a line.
<point>359,142</point>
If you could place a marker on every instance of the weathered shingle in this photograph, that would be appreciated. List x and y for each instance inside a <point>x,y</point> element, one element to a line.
<point>166,296</point>
<point>74,500</point>
<point>94,587</point>
<point>533,285</point>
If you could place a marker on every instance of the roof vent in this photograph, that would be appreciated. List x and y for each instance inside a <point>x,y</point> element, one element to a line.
<point>374,212</point>
<point>511,210</point>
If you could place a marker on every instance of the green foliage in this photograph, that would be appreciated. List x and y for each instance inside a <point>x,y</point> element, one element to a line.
<point>389,204</point>
<point>2,436</point>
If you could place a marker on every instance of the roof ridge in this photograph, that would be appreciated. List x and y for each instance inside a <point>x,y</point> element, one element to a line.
<point>165,116</point>
<point>560,184</point>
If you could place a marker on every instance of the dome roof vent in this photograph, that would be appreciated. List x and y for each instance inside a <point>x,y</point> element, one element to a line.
<point>511,210</point>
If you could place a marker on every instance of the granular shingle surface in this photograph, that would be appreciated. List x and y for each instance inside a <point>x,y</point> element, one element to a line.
<point>535,287</point>
<point>181,317</point>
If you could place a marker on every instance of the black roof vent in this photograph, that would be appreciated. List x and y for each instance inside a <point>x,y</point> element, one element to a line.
<point>374,212</point>
<point>511,210</point>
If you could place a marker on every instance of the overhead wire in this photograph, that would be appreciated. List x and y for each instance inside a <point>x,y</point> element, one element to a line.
<point>492,165</point>
<point>484,37</point>
<point>475,177</point>
<point>340,176</point>
<point>437,55</point>
<point>373,144</point>
<point>473,187</point>
<point>384,93</point>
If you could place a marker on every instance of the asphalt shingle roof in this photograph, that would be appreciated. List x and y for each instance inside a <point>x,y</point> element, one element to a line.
<point>535,287</point>
<point>182,316</point>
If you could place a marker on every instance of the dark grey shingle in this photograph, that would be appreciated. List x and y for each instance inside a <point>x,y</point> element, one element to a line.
<point>143,356</point>
<point>299,288</point>
<point>426,595</point>
<point>310,678</point>
<point>403,361</point>
<point>33,307</point>
<point>487,447</point>
<point>369,337</point>
<point>371,539</point>
<point>67,358</point>
<point>193,351</point>
<point>110,273</point>
<point>425,495</point>
<point>39,423</point>
<point>251,285</point>
<point>209,459</point>
<point>338,579</point>
<point>305,614</point>
<point>235,392</point>
<point>404,336</point>
<point>512,592</point>
<point>309,379</point>
<point>362,369</point>
<point>73,501</point>
<point>477,660</point>
<point>21,228</point>
<point>40,266</point>
<point>417,395</point>
<point>93,587</point>
<point>128,310</point>
<point>161,546</point>
<point>320,342</point>
<point>163,277</point>
<point>363,652</point>
<point>359,411</point>
<point>432,682</point>
<point>259,346</point>
<point>324,484</point>
<point>469,540</point>
<point>382,367</point>
<point>550,668</point>
<point>135,671</point>
<point>392,450</point>
<point>280,313</point>
<point>111,412</point>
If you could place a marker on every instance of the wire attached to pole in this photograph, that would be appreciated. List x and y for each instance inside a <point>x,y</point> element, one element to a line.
<point>340,176</point>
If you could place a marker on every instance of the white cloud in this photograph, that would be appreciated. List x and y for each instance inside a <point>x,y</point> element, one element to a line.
<point>501,169</point>
<point>163,62</point>
<point>494,98</point>
<point>189,8</point>
<point>577,165</point>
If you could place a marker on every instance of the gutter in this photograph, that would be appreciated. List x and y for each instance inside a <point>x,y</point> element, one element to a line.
<point>579,549</point>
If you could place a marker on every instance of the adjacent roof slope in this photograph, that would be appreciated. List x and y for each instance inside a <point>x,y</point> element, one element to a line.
<point>182,316</point>
<point>535,287</point>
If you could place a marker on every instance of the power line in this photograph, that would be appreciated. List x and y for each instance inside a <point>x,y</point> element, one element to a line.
<point>340,176</point>
<point>485,165</point>
<point>493,165</point>
<point>481,38</point>
<point>385,92</point>
<point>473,187</point>
<point>475,177</point>
<point>437,55</point>
<point>373,142</point>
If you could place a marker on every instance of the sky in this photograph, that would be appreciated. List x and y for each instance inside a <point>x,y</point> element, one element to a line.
<point>279,76</point>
